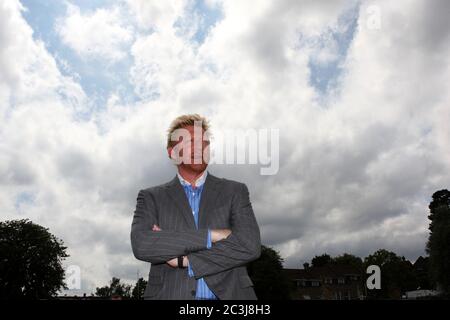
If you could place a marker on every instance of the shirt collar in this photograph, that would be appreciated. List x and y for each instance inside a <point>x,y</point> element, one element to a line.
<point>198,183</point>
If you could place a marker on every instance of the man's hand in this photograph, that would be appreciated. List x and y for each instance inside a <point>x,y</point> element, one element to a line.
<point>174,262</point>
<point>219,234</point>
<point>216,235</point>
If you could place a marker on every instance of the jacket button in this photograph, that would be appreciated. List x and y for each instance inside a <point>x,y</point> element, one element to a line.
<point>193,292</point>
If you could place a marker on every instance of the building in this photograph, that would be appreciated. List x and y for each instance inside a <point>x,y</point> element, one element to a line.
<point>330,282</point>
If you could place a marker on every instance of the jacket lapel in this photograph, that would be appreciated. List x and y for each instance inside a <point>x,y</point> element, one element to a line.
<point>207,200</point>
<point>211,190</point>
<point>176,191</point>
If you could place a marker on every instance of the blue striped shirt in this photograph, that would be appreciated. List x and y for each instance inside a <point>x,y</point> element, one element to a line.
<point>194,195</point>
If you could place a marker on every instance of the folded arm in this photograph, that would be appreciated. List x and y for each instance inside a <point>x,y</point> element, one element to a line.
<point>160,246</point>
<point>239,248</point>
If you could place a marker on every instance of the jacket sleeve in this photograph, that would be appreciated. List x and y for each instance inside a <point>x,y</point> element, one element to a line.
<point>239,248</point>
<point>160,246</point>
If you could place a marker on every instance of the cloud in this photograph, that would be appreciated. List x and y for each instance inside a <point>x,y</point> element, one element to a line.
<point>372,158</point>
<point>156,15</point>
<point>359,161</point>
<point>101,34</point>
<point>29,72</point>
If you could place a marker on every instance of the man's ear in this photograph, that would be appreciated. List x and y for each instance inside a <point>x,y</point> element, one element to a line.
<point>169,151</point>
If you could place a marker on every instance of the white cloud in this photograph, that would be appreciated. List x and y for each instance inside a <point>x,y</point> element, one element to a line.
<point>156,15</point>
<point>102,34</point>
<point>28,71</point>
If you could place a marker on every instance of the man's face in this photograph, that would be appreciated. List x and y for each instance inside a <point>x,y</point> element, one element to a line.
<point>191,140</point>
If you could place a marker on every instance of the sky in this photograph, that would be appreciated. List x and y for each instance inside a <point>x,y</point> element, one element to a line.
<point>357,89</point>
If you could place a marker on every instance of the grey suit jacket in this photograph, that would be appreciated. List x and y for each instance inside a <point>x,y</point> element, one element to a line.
<point>224,204</point>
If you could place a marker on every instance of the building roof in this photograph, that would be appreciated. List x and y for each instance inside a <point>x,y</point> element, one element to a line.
<point>328,271</point>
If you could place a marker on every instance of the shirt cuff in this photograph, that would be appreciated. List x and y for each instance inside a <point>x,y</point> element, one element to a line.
<point>190,271</point>
<point>208,246</point>
<point>208,240</point>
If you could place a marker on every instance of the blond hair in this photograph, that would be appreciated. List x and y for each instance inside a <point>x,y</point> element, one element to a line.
<point>184,121</point>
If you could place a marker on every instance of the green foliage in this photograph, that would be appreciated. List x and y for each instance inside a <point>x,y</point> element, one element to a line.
<point>139,289</point>
<point>115,288</point>
<point>31,261</point>
<point>438,245</point>
<point>270,283</point>
<point>344,259</point>
<point>423,273</point>
<point>320,261</point>
<point>397,274</point>
<point>349,260</point>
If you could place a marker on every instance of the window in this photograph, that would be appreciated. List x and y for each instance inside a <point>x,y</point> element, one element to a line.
<point>299,283</point>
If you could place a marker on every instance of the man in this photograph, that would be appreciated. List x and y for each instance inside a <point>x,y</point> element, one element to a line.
<point>198,231</point>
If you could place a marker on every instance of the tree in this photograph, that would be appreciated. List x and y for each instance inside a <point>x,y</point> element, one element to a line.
<point>397,275</point>
<point>139,289</point>
<point>115,289</point>
<point>421,270</point>
<point>438,245</point>
<point>346,259</point>
<point>349,260</point>
<point>320,261</point>
<point>270,283</point>
<point>103,292</point>
<point>31,261</point>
